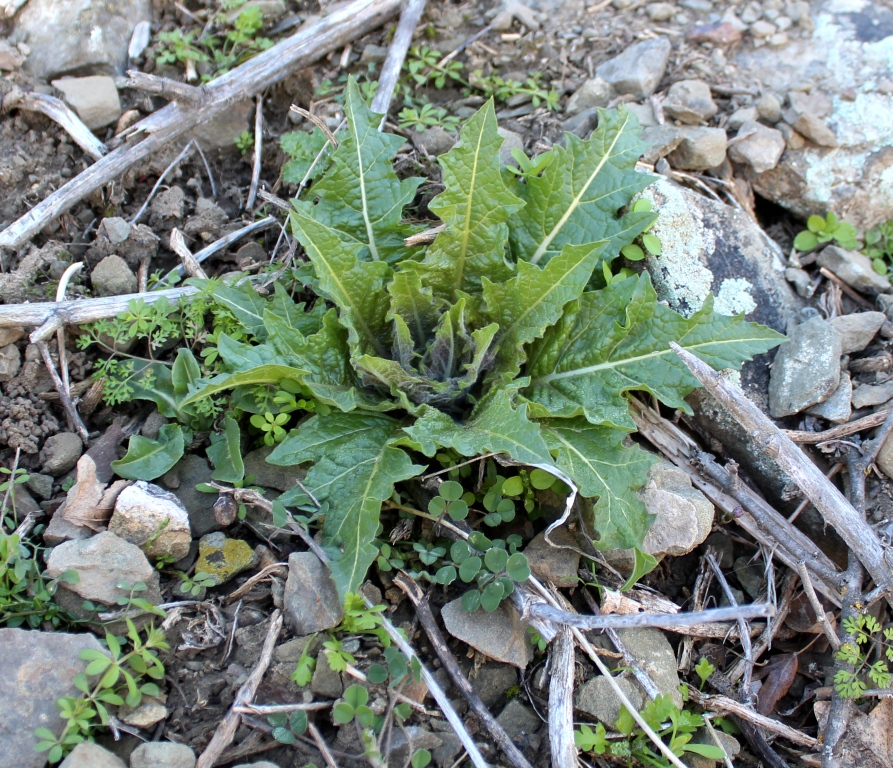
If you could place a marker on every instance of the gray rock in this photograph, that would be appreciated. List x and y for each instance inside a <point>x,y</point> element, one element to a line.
<point>61,530</point>
<point>10,362</point>
<point>405,742</point>
<point>40,485</point>
<point>259,764</point>
<point>801,281</point>
<point>446,754</point>
<point>690,102</point>
<point>220,132</point>
<point>102,562</point>
<point>723,548</point>
<point>854,268</point>
<point>583,123</point>
<point>60,453</point>
<point>663,140</point>
<point>10,57</point>
<point>36,668</point>
<point>144,512</point>
<point>885,458</point>
<point>95,99</point>
<point>769,108</point>
<point>757,146</point>
<point>311,602</point>
<point>741,116</point>
<point>519,721</point>
<point>148,712</point>
<point>24,503</point>
<point>653,651</point>
<point>552,563</point>
<point>115,229</point>
<point>11,335</point>
<point>838,407</point>
<point>594,92</point>
<point>857,330</point>
<point>90,755</point>
<point>806,370</point>
<point>683,516</point>
<point>373,53</point>
<point>112,277</point>
<point>152,425</point>
<point>700,149</point>
<point>187,473</point>
<point>132,242</point>
<point>810,126</point>
<point>596,698</point>
<point>510,141</point>
<point>162,754</point>
<point>644,114</point>
<point>326,681</point>
<point>492,681</point>
<point>433,141</point>
<point>79,36</point>
<point>501,635</point>
<point>868,395</point>
<point>885,302</point>
<point>660,11</point>
<point>270,475</point>
<point>639,69</point>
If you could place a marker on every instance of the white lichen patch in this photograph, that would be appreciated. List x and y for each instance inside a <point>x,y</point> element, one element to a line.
<point>679,274</point>
<point>734,297</point>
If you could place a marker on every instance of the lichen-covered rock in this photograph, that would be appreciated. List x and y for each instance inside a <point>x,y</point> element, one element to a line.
<point>222,558</point>
<point>153,519</point>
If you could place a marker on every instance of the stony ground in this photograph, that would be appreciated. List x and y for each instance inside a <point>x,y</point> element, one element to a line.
<point>756,115</point>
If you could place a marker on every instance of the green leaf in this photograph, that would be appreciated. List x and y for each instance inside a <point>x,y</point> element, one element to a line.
<point>185,371</point>
<point>360,196</point>
<point>342,713</point>
<point>450,490</point>
<point>817,224</point>
<point>528,303</point>
<point>147,459</point>
<point>517,567</point>
<point>495,427</point>
<point>357,288</point>
<point>597,460</point>
<point>474,208</point>
<point>302,147</point>
<point>617,339</point>
<point>471,600</point>
<point>264,374</point>
<point>576,199</point>
<point>652,244</point>
<point>709,751</point>
<point>226,453</point>
<point>246,304</point>
<point>805,241</point>
<point>643,563</point>
<point>355,470</point>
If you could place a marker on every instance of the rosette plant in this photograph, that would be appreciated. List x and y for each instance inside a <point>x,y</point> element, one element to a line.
<point>506,334</point>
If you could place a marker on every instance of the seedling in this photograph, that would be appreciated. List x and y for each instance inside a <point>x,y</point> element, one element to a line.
<point>824,229</point>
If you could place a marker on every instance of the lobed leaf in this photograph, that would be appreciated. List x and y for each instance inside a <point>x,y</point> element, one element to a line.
<point>616,340</point>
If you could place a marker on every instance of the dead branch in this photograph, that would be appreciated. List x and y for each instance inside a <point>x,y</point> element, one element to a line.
<point>76,312</point>
<point>187,259</point>
<point>813,438</point>
<point>561,705</point>
<point>737,499</point>
<point>59,112</point>
<point>835,508</point>
<point>227,728</point>
<point>171,90</point>
<point>426,619</point>
<point>726,705</point>
<point>169,123</point>
<point>393,63</point>
<point>743,633</point>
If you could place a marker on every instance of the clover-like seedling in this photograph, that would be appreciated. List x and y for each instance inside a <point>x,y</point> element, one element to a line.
<point>824,229</point>
<point>353,706</point>
<point>491,567</point>
<point>286,728</point>
<point>650,243</point>
<point>449,500</point>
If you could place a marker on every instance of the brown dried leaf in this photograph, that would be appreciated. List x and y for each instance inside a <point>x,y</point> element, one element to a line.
<point>781,671</point>
<point>615,602</point>
<point>80,507</point>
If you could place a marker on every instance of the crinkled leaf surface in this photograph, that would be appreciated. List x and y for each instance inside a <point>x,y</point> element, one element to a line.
<point>576,199</point>
<point>263,374</point>
<point>356,287</point>
<point>528,303</point>
<point>597,460</point>
<point>474,207</point>
<point>226,453</point>
<point>495,427</point>
<point>360,196</point>
<point>246,304</point>
<point>355,470</point>
<point>617,339</point>
<point>147,459</point>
